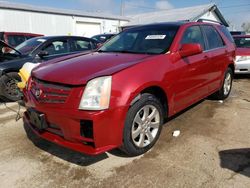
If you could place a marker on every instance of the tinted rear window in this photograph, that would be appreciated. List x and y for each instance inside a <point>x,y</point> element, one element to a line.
<point>15,40</point>
<point>242,42</point>
<point>213,37</point>
<point>225,31</point>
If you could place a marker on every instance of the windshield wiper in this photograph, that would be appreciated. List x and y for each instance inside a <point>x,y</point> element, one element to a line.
<point>102,51</point>
<point>123,51</point>
<point>134,52</point>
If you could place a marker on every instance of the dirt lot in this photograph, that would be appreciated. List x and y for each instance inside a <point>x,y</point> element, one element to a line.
<point>213,150</point>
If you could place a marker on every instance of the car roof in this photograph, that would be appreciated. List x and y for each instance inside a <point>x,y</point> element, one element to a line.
<point>162,24</point>
<point>61,37</point>
<point>169,24</point>
<point>106,34</point>
<point>21,33</point>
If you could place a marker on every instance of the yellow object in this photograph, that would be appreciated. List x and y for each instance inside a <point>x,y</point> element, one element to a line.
<point>24,73</point>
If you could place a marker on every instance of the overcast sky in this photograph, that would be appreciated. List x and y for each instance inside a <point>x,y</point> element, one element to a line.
<point>236,11</point>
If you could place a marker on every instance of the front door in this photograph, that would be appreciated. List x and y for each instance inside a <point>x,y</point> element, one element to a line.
<point>190,85</point>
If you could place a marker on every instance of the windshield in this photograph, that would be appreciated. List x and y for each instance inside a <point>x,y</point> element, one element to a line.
<point>242,42</point>
<point>29,45</point>
<point>143,40</point>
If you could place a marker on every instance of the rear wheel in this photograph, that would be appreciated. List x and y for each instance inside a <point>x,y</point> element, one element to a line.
<point>143,125</point>
<point>8,87</point>
<point>225,90</point>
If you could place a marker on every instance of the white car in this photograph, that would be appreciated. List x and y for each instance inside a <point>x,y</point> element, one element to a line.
<point>242,64</point>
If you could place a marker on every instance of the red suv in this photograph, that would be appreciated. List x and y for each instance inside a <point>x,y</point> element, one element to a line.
<point>119,96</point>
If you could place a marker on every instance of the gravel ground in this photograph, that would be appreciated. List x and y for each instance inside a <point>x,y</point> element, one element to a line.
<point>213,150</point>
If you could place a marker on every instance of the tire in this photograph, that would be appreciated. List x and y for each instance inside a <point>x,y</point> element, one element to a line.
<point>9,91</point>
<point>226,87</point>
<point>141,131</point>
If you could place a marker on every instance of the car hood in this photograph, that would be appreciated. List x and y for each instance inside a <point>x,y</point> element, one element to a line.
<point>242,51</point>
<point>78,70</point>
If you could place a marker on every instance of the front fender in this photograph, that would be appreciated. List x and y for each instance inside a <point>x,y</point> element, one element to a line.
<point>127,84</point>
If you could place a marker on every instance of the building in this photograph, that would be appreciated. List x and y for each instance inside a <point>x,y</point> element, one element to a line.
<point>195,13</point>
<point>17,17</point>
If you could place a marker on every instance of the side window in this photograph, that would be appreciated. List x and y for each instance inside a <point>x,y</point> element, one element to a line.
<point>57,47</point>
<point>193,34</point>
<point>213,37</point>
<point>15,40</point>
<point>227,33</point>
<point>81,45</point>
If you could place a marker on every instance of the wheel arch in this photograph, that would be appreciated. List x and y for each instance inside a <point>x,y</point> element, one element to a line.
<point>231,65</point>
<point>158,92</point>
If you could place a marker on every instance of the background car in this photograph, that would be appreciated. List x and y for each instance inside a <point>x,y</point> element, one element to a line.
<point>36,50</point>
<point>242,64</point>
<point>5,56</point>
<point>237,32</point>
<point>103,37</point>
<point>16,38</point>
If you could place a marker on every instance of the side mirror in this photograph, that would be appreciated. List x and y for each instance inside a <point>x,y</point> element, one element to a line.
<point>190,49</point>
<point>42,54</point>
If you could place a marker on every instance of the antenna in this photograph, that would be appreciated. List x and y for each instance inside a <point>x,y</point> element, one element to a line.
<point>122,7</point>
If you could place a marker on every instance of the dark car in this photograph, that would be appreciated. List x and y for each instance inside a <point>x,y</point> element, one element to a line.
<point>237,32</point>
<point>103,37</point>
<point>36,50</point>
<point>120,95</point>
<point>16,38</point>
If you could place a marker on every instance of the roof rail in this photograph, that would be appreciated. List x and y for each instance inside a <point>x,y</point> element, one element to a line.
<point>207,20</point>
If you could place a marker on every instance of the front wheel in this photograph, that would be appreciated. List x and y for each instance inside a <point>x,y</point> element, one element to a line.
<point>226,88</point>
<point>143,125</point>
<point>8,87</point>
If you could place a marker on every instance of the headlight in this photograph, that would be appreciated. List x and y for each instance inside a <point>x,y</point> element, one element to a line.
<point>242,58</point>
<point>96,95</point>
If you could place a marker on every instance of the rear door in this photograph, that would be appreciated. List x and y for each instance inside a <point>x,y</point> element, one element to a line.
<point>218,56</point>
<point>191,84</point>
<point>80,45</point>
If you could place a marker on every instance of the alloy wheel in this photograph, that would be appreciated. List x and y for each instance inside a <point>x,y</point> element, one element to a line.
<point>11,88</point>
<point>145,126</point>
<point>227,84</point>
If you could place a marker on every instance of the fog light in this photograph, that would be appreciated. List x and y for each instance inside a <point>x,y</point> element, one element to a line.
<point>86,128</point>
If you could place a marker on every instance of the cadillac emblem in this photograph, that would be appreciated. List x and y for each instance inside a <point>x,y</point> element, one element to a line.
<point>38,93</point>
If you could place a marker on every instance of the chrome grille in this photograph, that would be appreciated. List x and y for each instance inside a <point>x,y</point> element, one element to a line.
<point>45,92</point>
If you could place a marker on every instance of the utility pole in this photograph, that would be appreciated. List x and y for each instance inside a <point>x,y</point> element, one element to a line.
<point>122,8</point>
